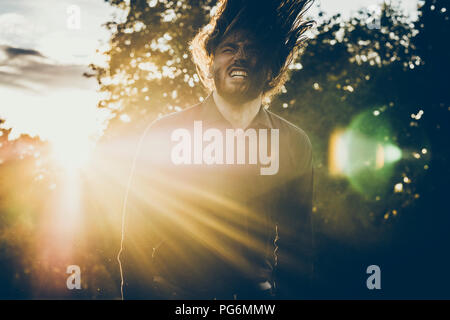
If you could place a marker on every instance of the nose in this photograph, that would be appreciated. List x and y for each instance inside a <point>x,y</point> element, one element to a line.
<point>241,55</point>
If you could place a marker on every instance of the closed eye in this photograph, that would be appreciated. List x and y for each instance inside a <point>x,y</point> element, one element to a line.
<point>227,48</point>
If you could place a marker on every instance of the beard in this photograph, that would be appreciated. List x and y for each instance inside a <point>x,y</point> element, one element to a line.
<point>238,92</point>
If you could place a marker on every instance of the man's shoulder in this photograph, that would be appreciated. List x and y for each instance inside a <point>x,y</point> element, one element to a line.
<point>294,132</point>
<point>296,141</point>
<point>178,117</point>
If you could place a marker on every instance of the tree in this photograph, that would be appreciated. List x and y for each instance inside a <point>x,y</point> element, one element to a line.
<point>149,68</point>
<point>390,75</point>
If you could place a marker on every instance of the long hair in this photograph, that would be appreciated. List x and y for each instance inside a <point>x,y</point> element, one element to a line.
<point>278,25</point>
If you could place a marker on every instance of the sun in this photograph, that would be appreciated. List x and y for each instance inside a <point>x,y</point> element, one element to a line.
<point>72,152</point>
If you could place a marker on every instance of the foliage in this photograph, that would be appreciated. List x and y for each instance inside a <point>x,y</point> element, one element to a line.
<point>347,69</point>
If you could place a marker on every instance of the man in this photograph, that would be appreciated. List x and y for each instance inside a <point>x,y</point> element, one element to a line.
<point>219,203</point>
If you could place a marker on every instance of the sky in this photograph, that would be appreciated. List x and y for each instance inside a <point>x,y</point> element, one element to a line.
<point>348,7</point>
<point>43,56</point>
<point>44,50</point>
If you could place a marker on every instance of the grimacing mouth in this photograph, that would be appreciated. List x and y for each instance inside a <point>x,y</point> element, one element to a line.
<point>237,72</point>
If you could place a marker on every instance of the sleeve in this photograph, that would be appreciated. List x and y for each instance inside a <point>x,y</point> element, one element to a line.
<point>294,268</point>
<point>139,232</point>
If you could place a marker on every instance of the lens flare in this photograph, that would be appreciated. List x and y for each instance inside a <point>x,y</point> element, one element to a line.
<point>364,153</point>
<point>392,153</point>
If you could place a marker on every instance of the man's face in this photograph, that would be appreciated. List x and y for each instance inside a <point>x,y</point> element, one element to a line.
<point>239,68</point>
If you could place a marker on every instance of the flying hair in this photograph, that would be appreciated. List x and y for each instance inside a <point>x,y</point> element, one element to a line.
<point>278,26</point>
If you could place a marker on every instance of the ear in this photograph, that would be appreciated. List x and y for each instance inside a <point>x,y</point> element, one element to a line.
<point>210,72</point>
<point>269,76</point>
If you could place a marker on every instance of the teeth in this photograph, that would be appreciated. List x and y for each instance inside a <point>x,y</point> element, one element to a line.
<point>238,73</point>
